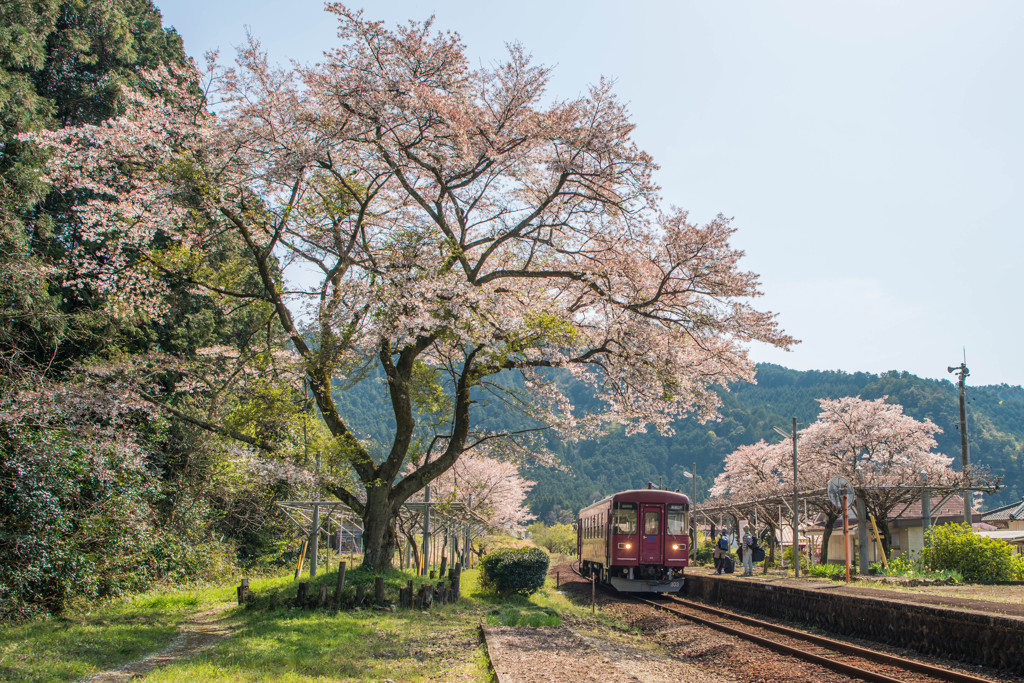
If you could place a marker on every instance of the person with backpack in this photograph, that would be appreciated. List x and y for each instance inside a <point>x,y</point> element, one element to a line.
<point>749,543</point>
<point>720,553</point>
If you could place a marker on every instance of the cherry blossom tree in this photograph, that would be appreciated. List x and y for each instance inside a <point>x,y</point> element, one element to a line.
<point>753,472</point>
<point>878,448</point>
<point>873,444</point>
<point>753,475</point>
<point>407,216</point>
<point>490,488</point>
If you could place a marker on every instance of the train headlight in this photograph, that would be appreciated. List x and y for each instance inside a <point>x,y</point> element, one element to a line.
<point>675,546</point>
<point>629,546</point>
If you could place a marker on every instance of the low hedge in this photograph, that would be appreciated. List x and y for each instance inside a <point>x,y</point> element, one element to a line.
<point>514,571</point>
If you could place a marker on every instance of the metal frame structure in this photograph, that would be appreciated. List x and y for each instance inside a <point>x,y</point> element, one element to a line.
<point>455,520</point>
<point>760,506</point>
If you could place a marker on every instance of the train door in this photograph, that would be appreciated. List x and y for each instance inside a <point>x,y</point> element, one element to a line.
<point>650,540</point>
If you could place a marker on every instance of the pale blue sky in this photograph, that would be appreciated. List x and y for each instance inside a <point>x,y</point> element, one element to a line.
<point>871,153</point>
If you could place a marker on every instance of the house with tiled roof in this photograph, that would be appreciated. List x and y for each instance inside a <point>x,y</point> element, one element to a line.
<point>1009,517</point>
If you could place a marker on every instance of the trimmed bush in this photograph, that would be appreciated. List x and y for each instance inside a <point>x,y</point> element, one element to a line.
<point>514,571</point>
<point>954,547</point>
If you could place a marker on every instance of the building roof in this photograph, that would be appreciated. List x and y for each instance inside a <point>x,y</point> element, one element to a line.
<point>1010,536</point>
<point>1007,512</point>
<point>953,507</point>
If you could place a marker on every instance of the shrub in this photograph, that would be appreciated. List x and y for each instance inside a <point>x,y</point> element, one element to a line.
<point>980,560</point>
<point>514,571</point>
<point>828,571</point>
<point>704,552</point>
<point>1018,567</point>
<point>787,555</point>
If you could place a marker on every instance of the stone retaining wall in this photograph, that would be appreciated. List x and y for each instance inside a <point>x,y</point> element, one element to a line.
<point>989,640</point>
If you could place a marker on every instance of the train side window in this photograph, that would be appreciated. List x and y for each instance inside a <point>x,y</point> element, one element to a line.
<point>652,523</point>
<point>676,523</point>
<point>625,522</point>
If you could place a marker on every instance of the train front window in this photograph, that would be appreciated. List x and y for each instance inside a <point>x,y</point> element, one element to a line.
<point>676,523</point>
<point>625,522</point>
<point>652,523</point>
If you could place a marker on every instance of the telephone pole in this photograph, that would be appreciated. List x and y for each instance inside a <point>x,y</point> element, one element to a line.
<point>965,454</point>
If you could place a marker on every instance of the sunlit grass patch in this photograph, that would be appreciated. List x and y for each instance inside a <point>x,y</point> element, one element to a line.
<point>514,616</point>
<point>287,644</point>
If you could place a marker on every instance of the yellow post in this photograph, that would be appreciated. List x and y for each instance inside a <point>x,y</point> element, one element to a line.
<point>878,540</point>
<point>302,557</point>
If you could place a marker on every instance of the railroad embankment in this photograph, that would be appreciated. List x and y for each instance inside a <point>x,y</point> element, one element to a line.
<point>974,631</point>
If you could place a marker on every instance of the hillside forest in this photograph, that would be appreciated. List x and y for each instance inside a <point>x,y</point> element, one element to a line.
<point>614,461</point>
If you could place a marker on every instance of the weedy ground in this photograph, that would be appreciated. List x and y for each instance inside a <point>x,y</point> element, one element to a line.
<point>274,641</point>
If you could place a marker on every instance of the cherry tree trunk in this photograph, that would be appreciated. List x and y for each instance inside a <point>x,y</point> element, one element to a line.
<point>379,539</point>
<point>882,522</point>
<point>826,536</point>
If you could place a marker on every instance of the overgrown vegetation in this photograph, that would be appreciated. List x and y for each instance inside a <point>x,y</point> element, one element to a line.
<point>99,495</point>
<point>556,538</point>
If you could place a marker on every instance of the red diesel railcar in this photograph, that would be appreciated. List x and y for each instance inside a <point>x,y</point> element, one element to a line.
<point>636,541</point>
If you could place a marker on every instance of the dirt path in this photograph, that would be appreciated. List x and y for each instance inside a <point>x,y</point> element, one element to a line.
<point>200,631</point>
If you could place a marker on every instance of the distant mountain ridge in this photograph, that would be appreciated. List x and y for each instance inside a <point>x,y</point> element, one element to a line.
<point>995,416</point>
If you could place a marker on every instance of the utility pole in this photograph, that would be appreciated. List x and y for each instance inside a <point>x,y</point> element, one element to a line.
<point>426,532</point>
<point>965,454</point>
<point>796,509</point>
<point>796,502</point>
<point>314,537</point>
<point>693,508</point>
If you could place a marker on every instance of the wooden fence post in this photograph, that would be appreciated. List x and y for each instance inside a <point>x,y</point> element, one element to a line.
<point>456,579</point>
<point>360,595</point>
<point>340,585</point>
<point>378,590</point>
<point>243,592</point>
<point>322,599</point>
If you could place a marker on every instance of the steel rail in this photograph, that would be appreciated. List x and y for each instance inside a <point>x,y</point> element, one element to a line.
<point>828,643</point>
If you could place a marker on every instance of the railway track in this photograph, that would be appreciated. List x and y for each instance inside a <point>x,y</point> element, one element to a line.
<point>851,660</point>
<point>845,658</point>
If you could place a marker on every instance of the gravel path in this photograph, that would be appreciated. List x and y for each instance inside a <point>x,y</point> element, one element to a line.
<point>533,655</point>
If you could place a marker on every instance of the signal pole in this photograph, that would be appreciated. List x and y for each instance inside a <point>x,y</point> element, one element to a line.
<point>965,454</point>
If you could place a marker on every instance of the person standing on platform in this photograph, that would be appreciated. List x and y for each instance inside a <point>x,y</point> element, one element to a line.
<point>721,550</point>
<point>748,551</point>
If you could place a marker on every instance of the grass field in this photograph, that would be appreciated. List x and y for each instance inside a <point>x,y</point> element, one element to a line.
<point>274,641</point>
<point>107,635</point>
